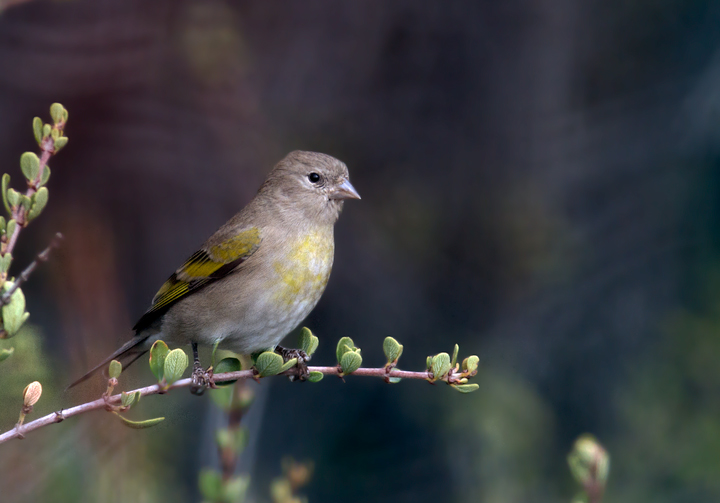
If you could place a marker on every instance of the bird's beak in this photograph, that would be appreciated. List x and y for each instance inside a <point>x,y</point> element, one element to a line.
<point>344,191</point>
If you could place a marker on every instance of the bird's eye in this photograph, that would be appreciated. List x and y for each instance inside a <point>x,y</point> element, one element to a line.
<point>314,177</point>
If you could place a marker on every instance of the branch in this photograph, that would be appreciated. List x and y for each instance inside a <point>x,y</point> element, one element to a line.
<point>103,403</point>
<point>169,366</point>
<point>43,256</point>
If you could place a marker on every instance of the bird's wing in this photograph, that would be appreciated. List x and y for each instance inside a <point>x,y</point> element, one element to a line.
<point>208,264</point>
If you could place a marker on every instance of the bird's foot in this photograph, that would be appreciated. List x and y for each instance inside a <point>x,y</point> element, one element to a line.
<point>201,379</point>
<point>301,367</point>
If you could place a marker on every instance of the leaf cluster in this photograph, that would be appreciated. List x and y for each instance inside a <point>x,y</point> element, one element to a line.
<point>23,208</point>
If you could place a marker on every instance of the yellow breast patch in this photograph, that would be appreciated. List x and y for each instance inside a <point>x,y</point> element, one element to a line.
<point>306,269</point>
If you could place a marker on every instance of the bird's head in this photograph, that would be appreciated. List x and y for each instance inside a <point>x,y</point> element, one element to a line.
<point>310,185</point>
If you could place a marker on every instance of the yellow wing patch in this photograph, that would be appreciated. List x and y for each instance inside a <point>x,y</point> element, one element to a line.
<point>199,266</point>
<point>203,267</point>
<point>169,292</point>
<point>243,244</point>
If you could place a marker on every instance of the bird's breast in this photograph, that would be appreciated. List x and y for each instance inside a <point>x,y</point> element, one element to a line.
<point>303,272</point>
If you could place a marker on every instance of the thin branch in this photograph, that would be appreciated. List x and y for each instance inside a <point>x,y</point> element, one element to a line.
<point>102,403</point>
<point>43,256</point>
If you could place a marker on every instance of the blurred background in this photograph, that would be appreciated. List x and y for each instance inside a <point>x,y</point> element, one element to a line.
<point>539,183</point>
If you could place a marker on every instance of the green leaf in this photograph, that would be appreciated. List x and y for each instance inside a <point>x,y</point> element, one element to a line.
<point>45,175</point>
<point>13,197</point>
<point>60,142</point>
<point>394,380</point>
<point>211,485</point>
<point>30,165</point>
<point>440,365</point>
<point>465,388</point>
<point>11,225</point>
<point>25,202</point>
<point>315,376</point>
<point>57,112</point>
<point>158,353</point>
<point>13,313</point>
<point>47,129</point>
<point>38,130</point>
<point>288,365</point>
<point>455,355</point>
<point>2,224</point>
<point>139,425</point>
<point>129,399</point>
<point>5,185</point>
<point>5,262</point>
<point>350,362</point>
<point>428,362</point>
<point>126,399</point>
<point>392,349</point>
<point>6,353</point>
<point>470,364</point>
<point>115,369</point>
<point>21,322</point>
<point>344,345</point>
<point>308,342</point>
<point>269,363</point>
<point>230,364</point>
<point>39,201</point>
<point>176,362</point>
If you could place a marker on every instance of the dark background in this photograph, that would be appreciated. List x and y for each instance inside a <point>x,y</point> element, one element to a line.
<point>539,183</point>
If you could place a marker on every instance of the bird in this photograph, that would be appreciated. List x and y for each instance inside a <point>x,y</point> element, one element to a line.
<point>258,276</point>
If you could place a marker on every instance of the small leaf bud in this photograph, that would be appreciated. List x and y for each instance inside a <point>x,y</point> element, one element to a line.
<point>31,394</point>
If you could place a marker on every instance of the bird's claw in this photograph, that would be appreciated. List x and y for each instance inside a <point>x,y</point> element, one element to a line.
<point>302,372</point>
<point>201,380</point>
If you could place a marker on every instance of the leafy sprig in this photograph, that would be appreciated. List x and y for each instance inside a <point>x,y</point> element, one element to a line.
<point>23,208</point>
<point>168,366</point>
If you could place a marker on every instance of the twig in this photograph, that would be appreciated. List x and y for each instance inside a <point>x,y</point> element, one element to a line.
<point>43,256</point>
<point>101,403</point>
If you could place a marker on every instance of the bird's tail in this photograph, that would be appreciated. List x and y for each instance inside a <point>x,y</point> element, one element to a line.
<point>128,353</point>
